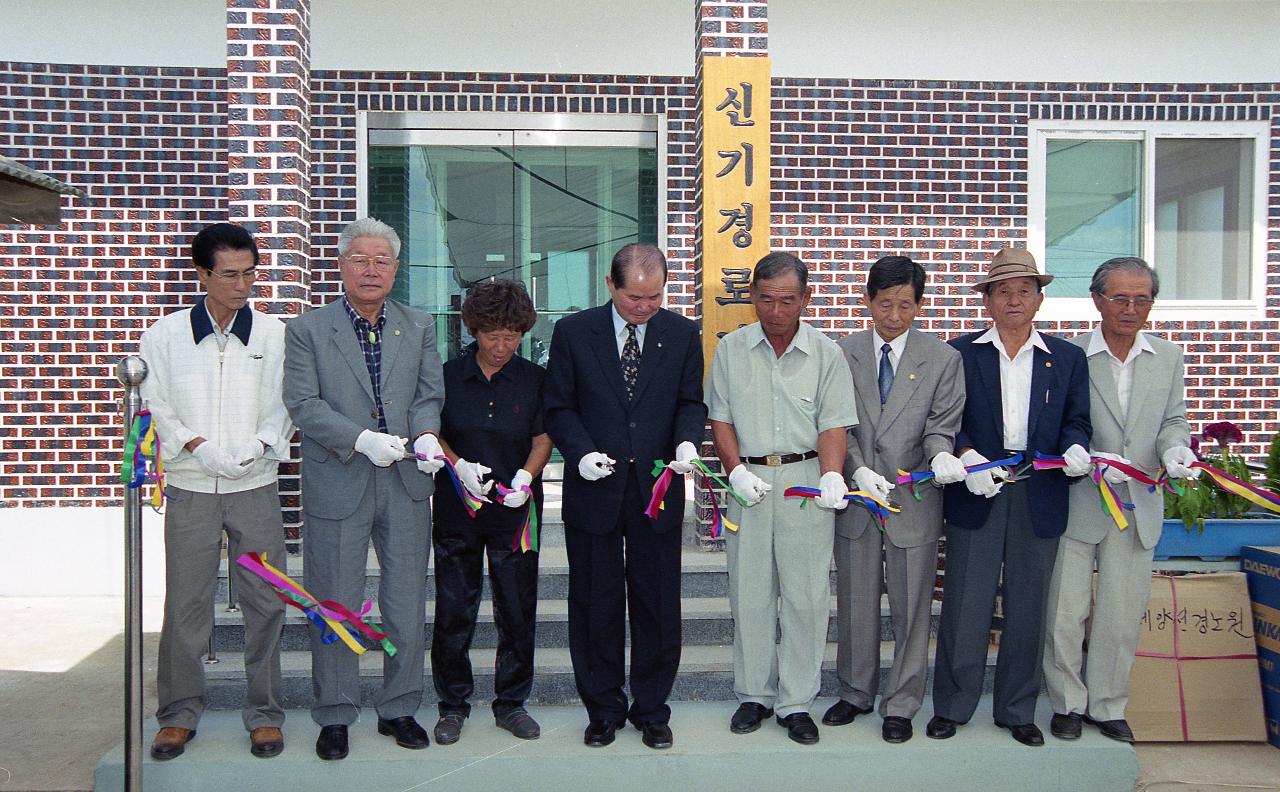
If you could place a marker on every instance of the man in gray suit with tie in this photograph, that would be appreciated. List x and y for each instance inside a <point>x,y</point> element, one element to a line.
<point>362,377</point>
<point>1138,416</point>
<point>910,396</point>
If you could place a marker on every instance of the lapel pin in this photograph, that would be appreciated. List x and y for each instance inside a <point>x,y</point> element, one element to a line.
<point>659,345</point>
<point>911,376</point>
<point>397,332</point>
<point>1048,364</point>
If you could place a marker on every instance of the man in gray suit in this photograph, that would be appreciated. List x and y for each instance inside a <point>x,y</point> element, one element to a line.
<point>1138,416</point>
<point>910,396</point>
<point>362,377</point>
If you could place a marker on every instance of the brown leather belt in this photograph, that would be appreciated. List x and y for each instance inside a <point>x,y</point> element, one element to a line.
<point>774,460</point>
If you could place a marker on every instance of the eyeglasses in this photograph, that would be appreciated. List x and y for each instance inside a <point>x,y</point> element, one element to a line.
<point>228,276</point>
<point>380,262</point>
<point>1124,303</point>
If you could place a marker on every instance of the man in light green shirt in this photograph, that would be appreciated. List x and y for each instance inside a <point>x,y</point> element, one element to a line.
<point>780,400</point>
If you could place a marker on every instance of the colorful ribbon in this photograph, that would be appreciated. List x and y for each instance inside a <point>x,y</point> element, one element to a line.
<point>333,618</point>
<point>878,508</point>
<point>1109,499</point>
<point>920,476</point>
<point>526,539</point>
<point>664,475</point>
<point>142,446</point>
<point>470,502</point>
<point>1229,483</point>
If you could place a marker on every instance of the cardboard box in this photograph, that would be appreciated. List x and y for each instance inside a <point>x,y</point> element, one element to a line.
<point>1196,674</point>
<point>1261,566</point>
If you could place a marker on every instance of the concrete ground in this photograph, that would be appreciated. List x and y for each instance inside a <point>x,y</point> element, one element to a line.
<point>61,705</point>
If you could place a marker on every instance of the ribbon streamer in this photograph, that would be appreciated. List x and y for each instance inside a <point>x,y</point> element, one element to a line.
<point>920,476</point>
<point>334,619</point>
<point>469,502</point>
<point>1110,501</point>
<point>526,539</point>
<point>878,508</point>
<point>1255,495</point>
<point>664,475</point>
<point>142,461</point>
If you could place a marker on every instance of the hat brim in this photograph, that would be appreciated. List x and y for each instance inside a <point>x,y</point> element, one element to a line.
<point>982,285</point>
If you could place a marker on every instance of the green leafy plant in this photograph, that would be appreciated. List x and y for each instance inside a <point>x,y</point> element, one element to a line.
<point>1201,498</point>
<point>1273,464</point>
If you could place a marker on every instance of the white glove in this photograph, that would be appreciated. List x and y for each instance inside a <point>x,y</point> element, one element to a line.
<point>472,474</point>
<point>517,497</point>
<point>595,466</point>
<point>748,485</point>
<point>872,483</point>
<point>981,483</point>
<point>1177,461</point>
<point>216,462</point>
<point>382,449</point>
<point>685,455</point>
<point>1077,459</point>
<point>1113,475</point>
<point>947,469</point>
<point>428,445</point>
<point>832,489</point>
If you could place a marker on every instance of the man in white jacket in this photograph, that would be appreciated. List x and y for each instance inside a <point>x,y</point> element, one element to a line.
<point>214,391</point>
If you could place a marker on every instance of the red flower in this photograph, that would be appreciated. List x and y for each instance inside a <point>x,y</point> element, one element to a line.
<point>1224,432</point>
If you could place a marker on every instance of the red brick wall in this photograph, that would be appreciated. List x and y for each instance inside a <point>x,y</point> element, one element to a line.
<point>935,170</point>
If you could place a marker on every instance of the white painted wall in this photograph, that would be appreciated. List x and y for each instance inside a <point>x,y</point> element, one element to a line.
<point>1102,40</point>
<point>75,551</point>
<point>1040,40</point>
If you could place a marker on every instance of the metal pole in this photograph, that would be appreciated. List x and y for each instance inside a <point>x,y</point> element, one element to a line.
<point>131,371</point>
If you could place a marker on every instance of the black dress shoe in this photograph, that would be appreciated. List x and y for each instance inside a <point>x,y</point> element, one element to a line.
<point>1065,727</point>
<point>896,729</point>
<point>1115,729</point>
<point>332,742</point>
<point>599,733</point>
<point>747,717</point>
<point>406,730</point>
<point>940,728</point>
<point>1025,733</point>
<point>842,713</point>
<point>656,735</point>
<point>800,727</point>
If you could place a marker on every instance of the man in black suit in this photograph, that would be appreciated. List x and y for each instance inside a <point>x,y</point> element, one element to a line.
<point>624,388</point>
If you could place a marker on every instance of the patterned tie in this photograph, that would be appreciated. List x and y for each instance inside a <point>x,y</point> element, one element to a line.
<point>886,374</point>
<point>630,361</point>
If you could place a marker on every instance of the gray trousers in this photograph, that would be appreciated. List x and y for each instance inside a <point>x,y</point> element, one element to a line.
<point>1099,685</point>
<point>976,560</point>
<point>193,526</point>
<point>335,555</point>
<point>779,564</point>
<point>909,574</point>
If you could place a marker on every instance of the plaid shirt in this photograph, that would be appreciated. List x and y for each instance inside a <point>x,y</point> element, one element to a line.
<point>370,337</point>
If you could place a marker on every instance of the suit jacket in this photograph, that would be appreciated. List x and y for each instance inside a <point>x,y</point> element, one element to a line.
<point>1156,421</point>
<point>587,410</point>
<point>329,395</point>
<point>919,421</point>
<point>1058,419</point>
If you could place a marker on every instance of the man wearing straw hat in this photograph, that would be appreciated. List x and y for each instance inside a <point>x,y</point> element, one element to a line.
<point>1025,393</point>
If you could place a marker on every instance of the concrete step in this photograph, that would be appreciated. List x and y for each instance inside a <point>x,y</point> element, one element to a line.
<point>705,757</point>
<point>706,674</point>
<point>705,620</point>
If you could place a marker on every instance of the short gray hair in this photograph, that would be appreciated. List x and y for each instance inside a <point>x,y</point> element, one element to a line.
<point>1123,264</point>
<point>368,227</point>
<point>777,264</point>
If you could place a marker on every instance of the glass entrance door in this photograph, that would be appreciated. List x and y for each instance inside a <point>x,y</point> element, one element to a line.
<point>548,208</point>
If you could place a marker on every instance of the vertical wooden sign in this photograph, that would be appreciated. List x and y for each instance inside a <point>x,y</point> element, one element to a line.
<point>735,190</point>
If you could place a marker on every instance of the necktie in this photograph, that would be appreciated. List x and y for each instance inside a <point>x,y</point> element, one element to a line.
<point>886,374</point>
<point>630,361</point>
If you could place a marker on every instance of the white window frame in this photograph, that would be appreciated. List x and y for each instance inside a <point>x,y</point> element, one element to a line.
<point>1074,308</point>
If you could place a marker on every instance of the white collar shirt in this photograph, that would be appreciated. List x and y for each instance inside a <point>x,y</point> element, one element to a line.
<point>1015,386</point>
<point>620,330</point>
<point>1122,370</point>
<point>896,347</point>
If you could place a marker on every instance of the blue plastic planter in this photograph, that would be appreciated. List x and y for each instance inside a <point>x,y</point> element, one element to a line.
<point>1221,538</point>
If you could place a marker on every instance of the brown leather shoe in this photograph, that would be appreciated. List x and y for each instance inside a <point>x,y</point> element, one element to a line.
<point>170,741</point>
<point>267,741</point>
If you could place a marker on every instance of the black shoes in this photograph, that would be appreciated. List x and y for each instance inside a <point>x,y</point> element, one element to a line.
<point>1025,733</point>
<point>800,728</point>
<point>406,730</point>
<point>940,728</point>
<point>842,713</point>
<point>519,722</point>
<point>448,729</point>
<point>1065,727</point>
<point>748,716</point>
<point>1115,729</point>
<point>895,729</point>
<point>332,742</point>
<point>656,735</point>
<point>599,733</point>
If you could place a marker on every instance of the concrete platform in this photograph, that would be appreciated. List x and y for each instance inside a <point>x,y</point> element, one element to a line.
<point>706,757</point>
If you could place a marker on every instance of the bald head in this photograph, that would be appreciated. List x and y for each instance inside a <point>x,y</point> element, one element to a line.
<point>638,257</point>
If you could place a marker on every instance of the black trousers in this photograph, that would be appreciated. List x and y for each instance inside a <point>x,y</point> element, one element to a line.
<point>631,569</point>
<point>513,581</point>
